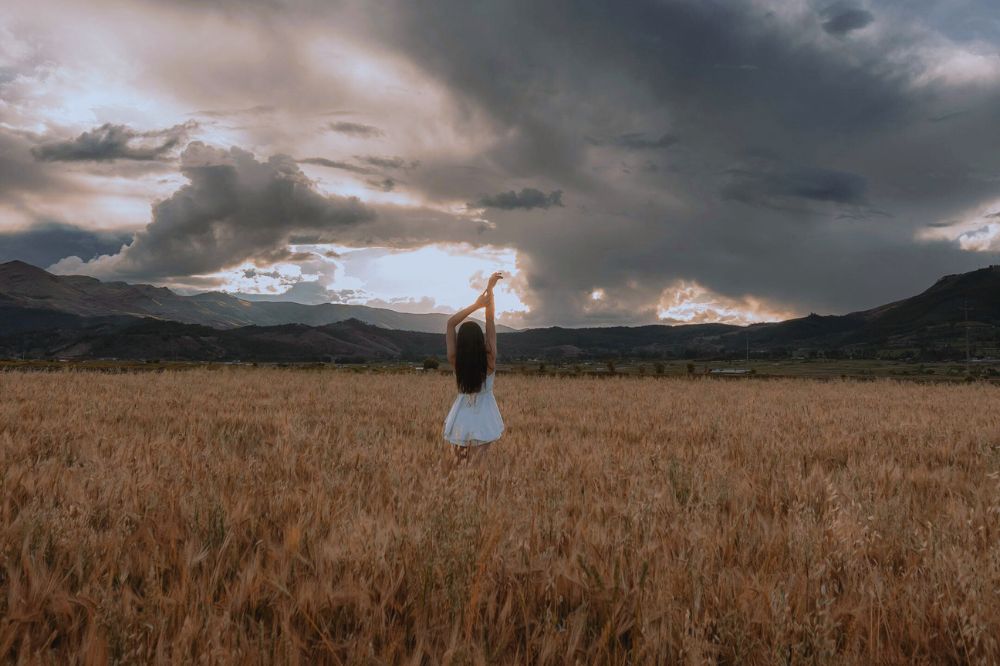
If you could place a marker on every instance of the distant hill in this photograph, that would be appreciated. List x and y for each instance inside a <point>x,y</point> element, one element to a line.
<point>25,286</point>
<point>45,318</point>
<point>932,321</point>
<point>350,340</point>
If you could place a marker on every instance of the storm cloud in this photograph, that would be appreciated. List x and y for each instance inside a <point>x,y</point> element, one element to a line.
<point>526,199</point>
<point>19,171</point>
<point>842,18</point>
<point>786,140</point>
<point>640,141</point>
<point>772,188</point>
<point>47,241</point>
<point>115,142</point>
<point>339,164</point>
<point>356,129</point>
<point>233,208</point>
<point>388,162</point>
<point>790,153</point>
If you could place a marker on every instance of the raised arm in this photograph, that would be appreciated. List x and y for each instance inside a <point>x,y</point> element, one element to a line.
<point>458,318</point>
<point>491,327</point>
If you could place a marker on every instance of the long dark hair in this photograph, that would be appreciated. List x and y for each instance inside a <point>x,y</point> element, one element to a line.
<point>470,358</point>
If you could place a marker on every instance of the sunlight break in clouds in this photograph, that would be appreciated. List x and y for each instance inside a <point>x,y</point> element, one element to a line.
<point>688,302</point>
<point>433,278</point>
<point>975,230</point>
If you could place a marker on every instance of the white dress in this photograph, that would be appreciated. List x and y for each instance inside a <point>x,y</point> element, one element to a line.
<point>474,417</point>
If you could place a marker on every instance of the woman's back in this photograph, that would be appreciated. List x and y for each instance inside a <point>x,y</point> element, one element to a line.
<point>474,417</point>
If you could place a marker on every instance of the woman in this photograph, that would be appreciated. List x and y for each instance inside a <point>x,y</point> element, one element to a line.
<point>474,420</point>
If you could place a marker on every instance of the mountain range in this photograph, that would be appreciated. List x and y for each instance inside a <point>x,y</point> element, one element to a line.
<point>45,316</point>
<point>25,286</point>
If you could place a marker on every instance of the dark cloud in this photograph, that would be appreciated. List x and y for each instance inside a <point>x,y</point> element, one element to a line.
<point>639,141</point>
<point>377,165</point>
<point>845,135</point>
<point>234,208</point>
<point>356,129</point>
<point>20,173</point>
<point>46,242</point>
<point>338,164</point>
<point>387,162</point>
<point>777,187</point>
<point>385,184</point>
<point>948,116</point>
<point>526,199</point>
<point>115,142</point>
<point>796,143</point>
<point>842,18</point>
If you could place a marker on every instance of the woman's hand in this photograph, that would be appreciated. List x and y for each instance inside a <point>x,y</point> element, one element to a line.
<point>484,299</point>
<point>493,280</point>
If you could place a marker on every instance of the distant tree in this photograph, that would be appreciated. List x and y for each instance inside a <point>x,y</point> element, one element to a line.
<point>660,367</point>
<point>431,363</point>
<point>642,368</point>
<point>541,368</point>
<point>690,368</point>
<point>611,367</point>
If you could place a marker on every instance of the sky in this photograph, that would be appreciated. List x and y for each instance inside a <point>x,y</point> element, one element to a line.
<point>670,161</point>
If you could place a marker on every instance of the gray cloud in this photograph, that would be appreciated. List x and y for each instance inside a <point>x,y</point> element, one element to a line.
<point>526,199</point>
<point>388,162</point>
<point>115,142</point>
<point>356,129</point>
<point>639,141</point>
<point>796,146</point>
<point>378,164</point>
<point>20,173</point>
<point>842,138</point>
<point>385,184</point>
<point>48,241</point>
<point>338,164</point>
<point>234,208</point>
<point>842,18</point>
<point>771,188</point>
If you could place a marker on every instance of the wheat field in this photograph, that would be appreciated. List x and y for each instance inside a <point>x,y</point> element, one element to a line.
<point>288,516</point>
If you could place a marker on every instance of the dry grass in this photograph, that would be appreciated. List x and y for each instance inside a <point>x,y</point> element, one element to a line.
<point>279,516</point>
